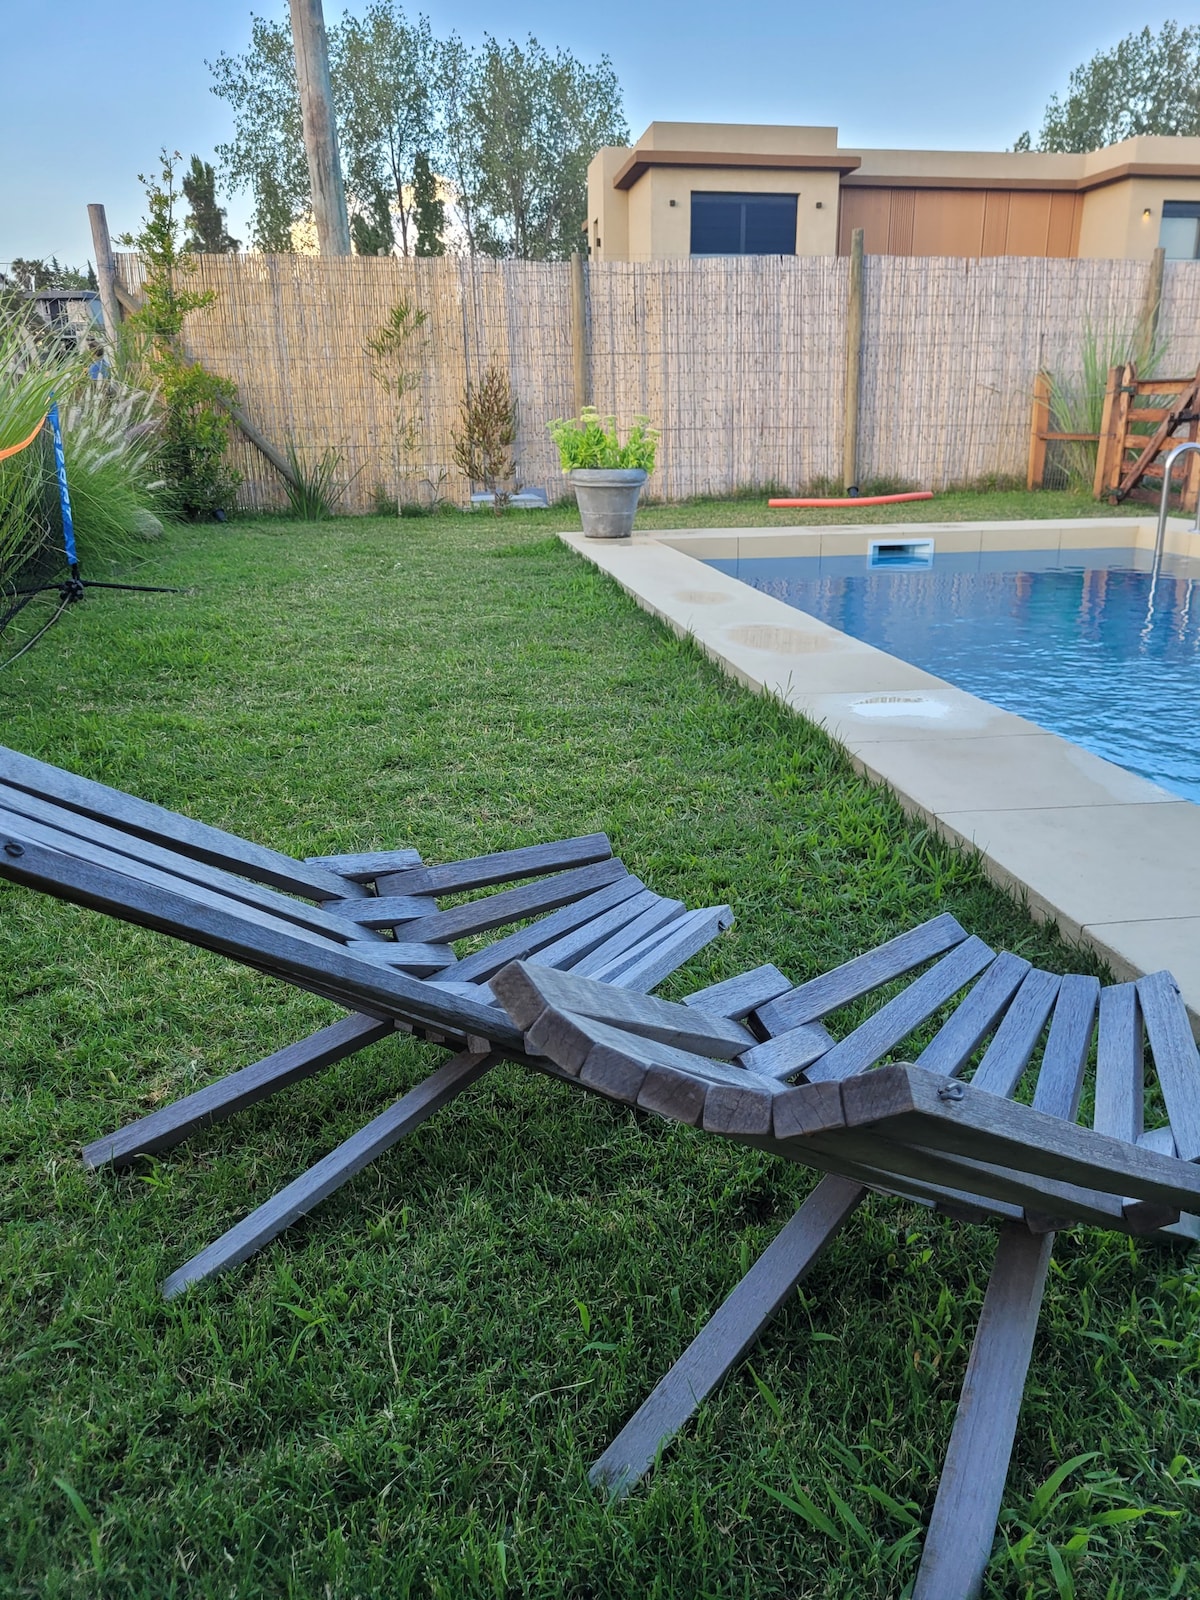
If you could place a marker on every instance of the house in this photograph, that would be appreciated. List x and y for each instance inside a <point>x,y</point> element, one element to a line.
<point>706,188</point>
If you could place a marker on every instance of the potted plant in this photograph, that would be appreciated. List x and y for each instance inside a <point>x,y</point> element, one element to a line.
<point>607,476</point>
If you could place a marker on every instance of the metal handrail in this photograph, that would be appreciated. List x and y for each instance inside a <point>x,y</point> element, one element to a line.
<point>1179,450</point>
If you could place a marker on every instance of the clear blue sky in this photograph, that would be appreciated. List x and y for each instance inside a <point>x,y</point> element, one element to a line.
<point>89,94</point>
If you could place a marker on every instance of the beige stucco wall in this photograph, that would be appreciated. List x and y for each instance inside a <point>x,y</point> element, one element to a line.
<point>641,223</point>
<point>1113,222</point>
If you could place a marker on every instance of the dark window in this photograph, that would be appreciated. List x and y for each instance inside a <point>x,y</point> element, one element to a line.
<point>743,224</point>
<point>1179,231</point>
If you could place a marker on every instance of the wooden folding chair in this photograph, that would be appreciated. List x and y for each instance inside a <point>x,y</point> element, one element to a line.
<point>969,1149</point>
<point>366,931</point>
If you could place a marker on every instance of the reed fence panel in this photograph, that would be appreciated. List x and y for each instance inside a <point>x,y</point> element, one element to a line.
<point>738,361</point>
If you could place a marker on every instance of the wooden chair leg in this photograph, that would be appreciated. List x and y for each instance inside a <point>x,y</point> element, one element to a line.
<point>963,1524</point>
<point>727,1335</point>
<point>216,1101</point>
<point>270,1219</point>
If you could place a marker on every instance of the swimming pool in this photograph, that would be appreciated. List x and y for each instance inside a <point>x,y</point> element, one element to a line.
<point>1080,641</point>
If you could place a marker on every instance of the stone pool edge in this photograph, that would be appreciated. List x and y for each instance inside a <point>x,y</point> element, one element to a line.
<point>1070,831</point>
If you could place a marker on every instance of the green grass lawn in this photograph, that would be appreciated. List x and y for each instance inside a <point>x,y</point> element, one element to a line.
<point>403,1394</point>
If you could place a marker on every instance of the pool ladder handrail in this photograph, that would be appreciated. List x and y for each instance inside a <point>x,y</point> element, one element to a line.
<point>1163,506</point>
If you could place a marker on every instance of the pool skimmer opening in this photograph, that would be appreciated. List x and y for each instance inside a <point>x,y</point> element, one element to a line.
<point>894,553</point>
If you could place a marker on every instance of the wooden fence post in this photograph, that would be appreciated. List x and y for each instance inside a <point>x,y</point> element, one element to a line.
<point>106,273</point>
<point>311,47</point>
<point>1147,331</point>
<point>854,339</point>
<point>580,352</point>
<point>1038,429</point>
<point>1108,444</point>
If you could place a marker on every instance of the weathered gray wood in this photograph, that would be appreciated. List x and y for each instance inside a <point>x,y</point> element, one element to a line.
<point>904,1012</point>
<point>806,1109</point>
<point>568,1040</point>
<point>384,911</point>
<point>1042,1196</point>
<point>171,1124</point>
<point>1119,1064</point>
<point>589,933</point>
<point>1175,1058</point>
<point>1060,1081</point>
<point>738,997</point>
<point>64,829</point>
<point>1006,1057</point>
<point>512,905</point>
<point>106,274</point>
<point>788,1052</point>
<point>310,47</point>
<point>158,824</point>
<point>727,1336</point>
<point>269,1220</point>
<point>365,866</point>
<point>301,961</point>
<point>611,953</point>
<point>963,1524</point>
<point>560,936</point>
<point>504,866</point>
<point>910,1105</point>
<point>965,1029</point>
<point>853,979</point>
<point>525,989</point>
<point>659,957</point>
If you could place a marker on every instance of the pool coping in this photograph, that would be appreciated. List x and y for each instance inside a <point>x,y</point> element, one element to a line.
<point>1060,826</point>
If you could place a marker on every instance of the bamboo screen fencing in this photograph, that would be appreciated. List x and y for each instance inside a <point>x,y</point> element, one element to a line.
<point>739,361</point>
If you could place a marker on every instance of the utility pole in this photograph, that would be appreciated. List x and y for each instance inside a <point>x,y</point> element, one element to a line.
<point>320,136</point>
<point>106,274</point>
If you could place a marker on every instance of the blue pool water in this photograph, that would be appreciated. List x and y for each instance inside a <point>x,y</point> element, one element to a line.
<point>1074,640</point>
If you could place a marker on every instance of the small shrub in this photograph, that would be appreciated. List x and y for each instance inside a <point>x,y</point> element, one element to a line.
<point>591,441</point>
<point>485,435</point>
<point>316,489</point>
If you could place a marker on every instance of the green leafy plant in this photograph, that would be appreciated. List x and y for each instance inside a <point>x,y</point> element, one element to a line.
<point>316,488</point>
<point>194,434</point>
<point>593,441</point>
<point>395,354</point>
<point>485,435</point>
<point>1077,397</point>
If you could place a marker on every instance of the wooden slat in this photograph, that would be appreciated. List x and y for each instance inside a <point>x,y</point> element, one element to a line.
<point>544,937</point>
<point>511,905</point>
<point>366,865</point>
<point>384,911</point>
<point>159,825</point>
<point>817,998</point>
<point>963,1524</point>
<point>1060,1080</point>
<point>1175,1058</point>
<point>504,866</point>
<point>267,1221</point>
<point>77,833</point>
<point>727,1336</point>
<point>915,1107</point>
<point>1119,1067</point>
<point>361,982</point>
<point>789,1052</point>
<point>171,1124</point>
<point>566,951</point>
<point>615,951</point>
<point>738,997</point>
<point>904,1012</point>
<point>658,957</point>
<point>964,1031</point>
<point>1006,1057</point>
<point>525,989</point>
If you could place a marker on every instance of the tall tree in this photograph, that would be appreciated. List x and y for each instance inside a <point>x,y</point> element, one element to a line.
<point>205,222</point>
<point>538,119</point>
<point>1148,83</point>
<point>429,209</point>
<point>510,130</point>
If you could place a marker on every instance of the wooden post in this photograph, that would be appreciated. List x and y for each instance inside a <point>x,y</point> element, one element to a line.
<point>320,135</point>
<point>1105,444</point>
<point>1038,429</point>
<point>854,334</point>
<point>1147,330</point>
<point>580,351</point>
<point>106,273</point>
